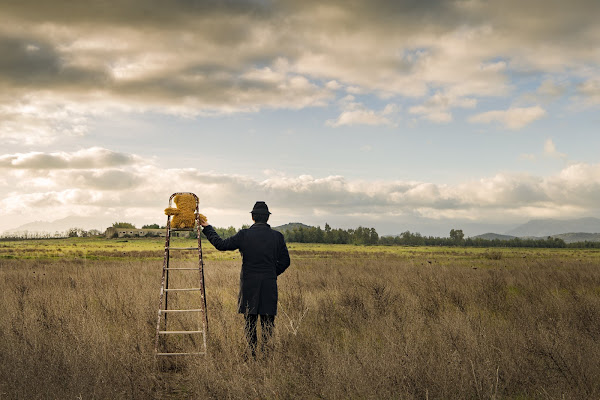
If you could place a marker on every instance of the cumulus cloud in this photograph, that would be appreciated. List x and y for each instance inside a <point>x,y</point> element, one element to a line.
<point>589,91</point>
<point>578,185</point>
<point>83,187</point>
<point>551,89</point>
<point>35,121</point>
<point>355,113</point>
<point>550,150</point>
<point>209,57</point>
<point>513,118</point>
<point>93,157</point>
<point>437,107</point>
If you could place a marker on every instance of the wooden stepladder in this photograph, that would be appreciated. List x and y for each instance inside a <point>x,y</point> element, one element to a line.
<point>196,336</point>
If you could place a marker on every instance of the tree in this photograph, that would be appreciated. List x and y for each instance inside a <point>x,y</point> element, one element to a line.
<point>151,226</point>
<point>126,225</point>
<point>328,236</point>
<point>374,236</point>
<point>231,231</point>
<point>319,235</point>
<point>457,235</point>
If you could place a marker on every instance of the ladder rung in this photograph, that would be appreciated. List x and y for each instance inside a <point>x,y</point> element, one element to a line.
<point>178,332</point>
<point>183,290</point>
<point>182,229</point>
<point>190,310</point>
<point>189,269</point>
<point>182,248</point>
<point>181,354</point>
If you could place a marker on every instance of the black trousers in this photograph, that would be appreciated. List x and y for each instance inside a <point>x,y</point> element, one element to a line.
<point>267,324</point>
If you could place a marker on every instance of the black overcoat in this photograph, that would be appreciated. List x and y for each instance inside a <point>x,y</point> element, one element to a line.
<point>264,257</point>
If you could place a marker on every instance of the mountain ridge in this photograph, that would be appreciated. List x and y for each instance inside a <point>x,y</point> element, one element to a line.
<point>290,226</point>
<point>569,237</point>
<point>550,226</point>
<point>494,236</point>
<point>62,224</point>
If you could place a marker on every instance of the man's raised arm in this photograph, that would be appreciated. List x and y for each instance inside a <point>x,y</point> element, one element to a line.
<point>231,243</point>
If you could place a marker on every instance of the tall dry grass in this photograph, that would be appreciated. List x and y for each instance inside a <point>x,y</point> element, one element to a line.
<point>365,325</point>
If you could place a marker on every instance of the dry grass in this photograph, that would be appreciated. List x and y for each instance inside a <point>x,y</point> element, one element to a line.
<point>407,324</point>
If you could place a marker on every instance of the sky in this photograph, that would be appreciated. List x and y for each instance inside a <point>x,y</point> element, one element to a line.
<point>399,115</point>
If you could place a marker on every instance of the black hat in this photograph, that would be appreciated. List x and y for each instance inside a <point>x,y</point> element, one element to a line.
<point>260,208</point>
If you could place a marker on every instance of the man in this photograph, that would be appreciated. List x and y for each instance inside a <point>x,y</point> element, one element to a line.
<point>264,257</point>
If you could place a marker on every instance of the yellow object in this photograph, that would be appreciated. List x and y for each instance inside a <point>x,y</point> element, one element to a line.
<point>183,215</point>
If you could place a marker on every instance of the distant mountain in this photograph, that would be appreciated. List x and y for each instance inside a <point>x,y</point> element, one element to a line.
<point>578,237</point>
<point>550,227</point>
<point>567,237</point>
<point>63,224</point>
<point>494,236</point>
<point>290,226</point>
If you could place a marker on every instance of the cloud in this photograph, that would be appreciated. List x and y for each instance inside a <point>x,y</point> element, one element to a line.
<point>550,89</point>
<point>333,85</point>
<point>513,118</point>
<point>527,156</point>
<point>90,158</point>
<point>36,121</point>
<point>98,182</point>
<point>577,185</point>
<point>359,116</point>
<point>437,107</point>
<point>209,57</point>
<point>32,60</point>
<point>589,91</point>
<point>550,150</point>
<point>355,113</point>
<point>432,114</point>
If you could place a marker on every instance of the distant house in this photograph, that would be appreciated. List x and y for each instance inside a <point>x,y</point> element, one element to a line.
<point>129,232</point>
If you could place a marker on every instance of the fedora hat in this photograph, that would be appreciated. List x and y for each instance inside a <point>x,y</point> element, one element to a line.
<point>260,207</point>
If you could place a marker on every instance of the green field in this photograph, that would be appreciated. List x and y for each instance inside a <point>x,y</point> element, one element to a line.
<point>354,322</point>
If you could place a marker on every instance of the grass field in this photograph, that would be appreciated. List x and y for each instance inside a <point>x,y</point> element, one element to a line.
<point>79,315</point>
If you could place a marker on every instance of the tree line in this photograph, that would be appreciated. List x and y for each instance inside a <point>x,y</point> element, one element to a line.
<point>71,232</point>
<point>357,236</point>
<point>456,237</point>
<point>369,236</point>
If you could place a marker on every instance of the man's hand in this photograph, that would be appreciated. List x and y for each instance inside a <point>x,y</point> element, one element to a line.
<point>203,221</point>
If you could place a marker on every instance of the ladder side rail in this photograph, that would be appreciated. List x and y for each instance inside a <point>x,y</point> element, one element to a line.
<point>202,285</point>
<point>204,322</point>
<point>165,271</point>
<point>168,257</point>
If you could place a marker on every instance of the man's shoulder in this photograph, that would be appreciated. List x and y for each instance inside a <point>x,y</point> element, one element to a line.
<point>265,228</point>
<point>277,233</point>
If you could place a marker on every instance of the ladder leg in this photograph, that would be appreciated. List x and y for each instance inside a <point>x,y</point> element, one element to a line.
<point>162,283</point>
<point>204,322</point>
<point>167,285</point>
